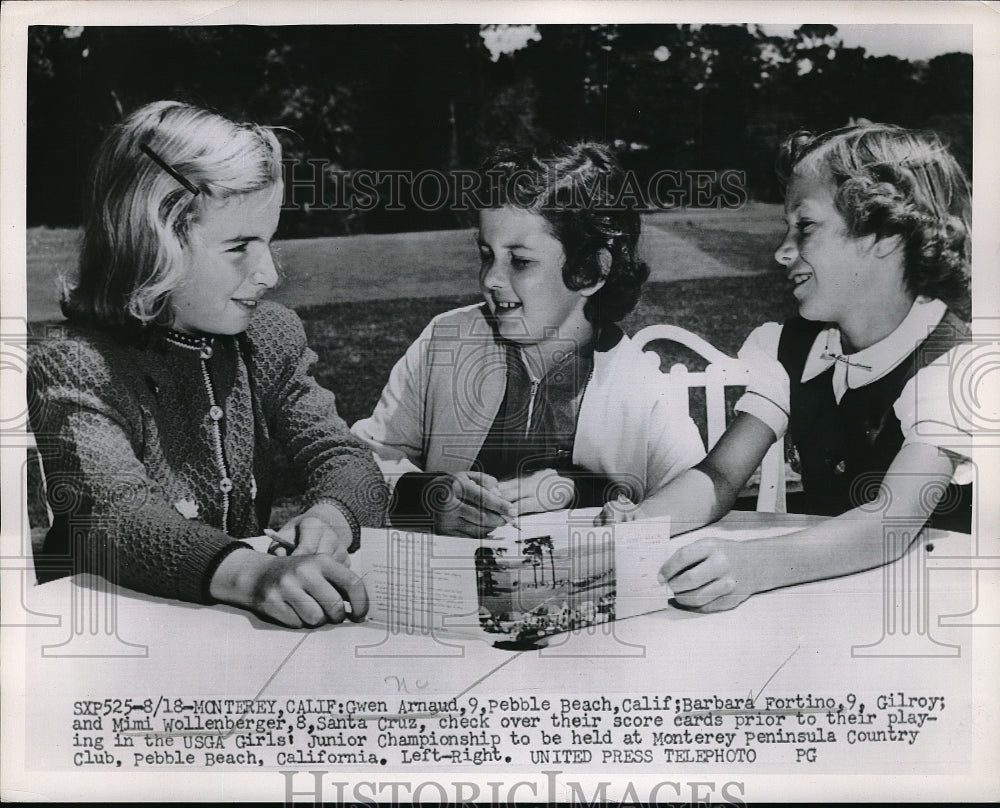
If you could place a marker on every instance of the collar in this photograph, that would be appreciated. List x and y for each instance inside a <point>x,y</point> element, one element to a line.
<point>866,366</point>
<point>581,357</point>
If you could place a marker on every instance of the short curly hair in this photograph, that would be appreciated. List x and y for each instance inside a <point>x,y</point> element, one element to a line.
<point>577,191</point>
<point>892,181</point>
<point>138,217</point>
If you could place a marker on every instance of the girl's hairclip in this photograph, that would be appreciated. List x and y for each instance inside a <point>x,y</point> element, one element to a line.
<point>173,172</point>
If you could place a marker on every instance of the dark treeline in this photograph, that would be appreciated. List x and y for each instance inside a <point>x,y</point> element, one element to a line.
<point>382,98</point>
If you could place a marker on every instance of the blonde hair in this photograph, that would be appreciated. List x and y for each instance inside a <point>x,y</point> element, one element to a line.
<point>892,181</point>
<point>139,214</point>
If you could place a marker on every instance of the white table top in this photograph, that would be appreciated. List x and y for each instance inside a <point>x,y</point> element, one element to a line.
<point>861,638</point>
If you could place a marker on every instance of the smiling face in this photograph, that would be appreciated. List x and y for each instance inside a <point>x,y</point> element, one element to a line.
<point>833,272</point>
<point>521,279</point>
<point>228,263</point>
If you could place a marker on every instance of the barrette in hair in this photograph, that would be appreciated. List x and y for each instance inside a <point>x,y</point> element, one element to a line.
<point>173,172</point>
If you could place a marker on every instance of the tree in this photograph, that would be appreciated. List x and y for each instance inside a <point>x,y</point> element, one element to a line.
<point>533,555</point>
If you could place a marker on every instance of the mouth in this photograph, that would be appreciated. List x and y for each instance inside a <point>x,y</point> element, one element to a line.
<point>501,307</point>
<point>248,303</point>
<point>799,277</point>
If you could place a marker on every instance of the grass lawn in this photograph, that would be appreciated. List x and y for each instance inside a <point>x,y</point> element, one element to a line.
<point>386,289</point>
<point>676,245</point>
<point>359,342</point>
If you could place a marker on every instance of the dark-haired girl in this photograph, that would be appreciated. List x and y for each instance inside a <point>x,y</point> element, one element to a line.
<point>534,399</point>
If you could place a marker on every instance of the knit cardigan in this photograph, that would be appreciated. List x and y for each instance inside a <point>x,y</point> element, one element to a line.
<point>158,451</point>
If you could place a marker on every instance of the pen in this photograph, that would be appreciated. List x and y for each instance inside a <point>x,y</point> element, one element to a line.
<point>508,519</point>
<point>273,536</point>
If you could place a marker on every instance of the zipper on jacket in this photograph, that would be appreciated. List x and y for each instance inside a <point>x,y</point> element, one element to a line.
<point>535,384</point>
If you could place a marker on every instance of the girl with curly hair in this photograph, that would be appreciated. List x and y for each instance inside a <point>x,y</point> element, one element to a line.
<point>534,399</point>
<point>877,248</point>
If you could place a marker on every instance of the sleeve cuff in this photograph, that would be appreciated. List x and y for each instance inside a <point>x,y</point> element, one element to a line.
<point>348,515</point>
<point>222,555</point>
<point>764,409</point>
<point>412,497</point>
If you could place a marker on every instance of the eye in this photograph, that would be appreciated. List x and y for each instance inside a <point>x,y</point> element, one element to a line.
<point>239,248</point>
<point>485,253</point>
<point>804,225</point>
<point>518,262</point>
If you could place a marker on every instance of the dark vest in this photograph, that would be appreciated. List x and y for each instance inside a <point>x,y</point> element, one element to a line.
<point>845,449</point>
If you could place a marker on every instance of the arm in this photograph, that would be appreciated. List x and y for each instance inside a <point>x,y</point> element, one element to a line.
<point>344,489</point>
<point>707,491</point>
<point>304,590</point>
<point>395,429</point>
<point>464,503</point>
<point>714,574</point>
<point>89,432</point>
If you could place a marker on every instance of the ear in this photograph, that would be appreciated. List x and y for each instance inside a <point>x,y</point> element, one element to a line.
<point>604,259</point>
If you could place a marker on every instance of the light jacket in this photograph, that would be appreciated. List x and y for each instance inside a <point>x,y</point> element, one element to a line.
<point>443,396</point>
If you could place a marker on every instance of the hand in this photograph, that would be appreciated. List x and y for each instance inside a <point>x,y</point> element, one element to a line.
<point>621,509</point>
<point>321,530</point>
<point>300,590</point>
<point>711,575</point>
<point>543,490</point>
<point>468,504</point>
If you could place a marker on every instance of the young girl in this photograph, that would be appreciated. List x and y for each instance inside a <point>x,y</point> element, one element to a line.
<point>535,399</point>
<point>877,247</point>
<point>158,413</point>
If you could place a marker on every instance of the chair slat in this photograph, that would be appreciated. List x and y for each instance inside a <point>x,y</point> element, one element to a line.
<point>721,372</point>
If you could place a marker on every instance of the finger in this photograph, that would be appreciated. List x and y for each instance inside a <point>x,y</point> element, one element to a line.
<point>682,559</point>
<point>485,480</point>
<point>613,512</point>
<point>704,595</point>
<point>277,609</point>
<point>483,499</point>
<point>329,601</point>
<point>509,489</point>
<point>709,569</point>
<point>350,587</point>
<point>527,504</point>
<point>487,519</point>
<point>288,531</point>
<point>303,603</point>
<point>475,527</point>
<point>331,543</point>
<point>307,539</point>
<point>313,536</point>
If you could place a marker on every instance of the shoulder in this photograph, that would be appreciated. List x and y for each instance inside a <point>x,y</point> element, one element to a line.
<point>798,330</point>
<point>274,325</point>
<point>464,321</point>
<point>276,339</point>
<point>764,339</point>
<point>76,356</point>
<point>467,325</point>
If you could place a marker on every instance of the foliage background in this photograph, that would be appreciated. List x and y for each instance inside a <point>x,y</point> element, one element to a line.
<point>441,96</point>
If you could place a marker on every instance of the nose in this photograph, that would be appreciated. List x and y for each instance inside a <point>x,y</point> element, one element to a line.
<point>493,274</point>
<point>265,272</point>
<point>786,252</point>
